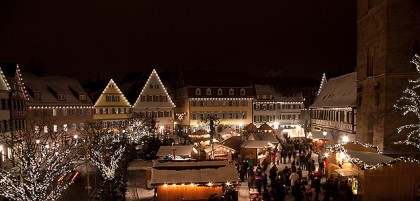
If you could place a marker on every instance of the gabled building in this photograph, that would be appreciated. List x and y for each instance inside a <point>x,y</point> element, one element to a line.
<point>155,102</point>
<point>280,112</point>
<point>4,116</point>
<point>57,103</point>
<point>224,95</point>
<point>112,107</point>
<point>334,109</point>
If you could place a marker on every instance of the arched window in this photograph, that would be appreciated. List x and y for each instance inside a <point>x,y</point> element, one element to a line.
<point>208,92</point>
<point>219,92</point>
<point>198,91</point>
<point>231,92</point>
<point>242,92</point>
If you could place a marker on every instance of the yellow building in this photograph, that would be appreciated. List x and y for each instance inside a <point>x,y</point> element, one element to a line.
<point>229,98</point>
<point>112,107</point>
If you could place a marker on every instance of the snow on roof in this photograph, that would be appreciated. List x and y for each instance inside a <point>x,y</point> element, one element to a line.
<point>50,85</point>
<point>220,174</point>
<point>264,89</point>
<point>338,92</point>
<point>265,126</point>
<point>217,145</point>
<point>255,144</point>
<point>263,137</point>
<point>179,150</point>
<point>189,164</point>
<point>369,158</point>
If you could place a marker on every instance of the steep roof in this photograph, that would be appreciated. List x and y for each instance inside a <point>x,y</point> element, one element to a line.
<point>4,85</point>
<point>338,92</point>
<point>154,79</point>
<point>50,85</point>
<point>113,90</point>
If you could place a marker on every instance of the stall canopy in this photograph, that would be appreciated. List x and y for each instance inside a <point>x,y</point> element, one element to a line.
<point>251,128</point>
<point>319,135</point>
<point>263,137</point>
<point>219,146</point>
<point>200,134</point>
<point>228,132</point>
<point>179,150</point>
<point>186,172</point>
<point>249,144</point>
<point>265,127</point>
<point>346,172</point>
<point>369,158</point>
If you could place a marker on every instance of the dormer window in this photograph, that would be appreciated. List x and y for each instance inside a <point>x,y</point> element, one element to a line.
<point>219,92</point>
<point>61,97</point>
<point>37,96</point>
<point>82,97</point>
<point>208,92</point>
<point>198,92</point>
<point>231,92</point>
<point>242,92</point>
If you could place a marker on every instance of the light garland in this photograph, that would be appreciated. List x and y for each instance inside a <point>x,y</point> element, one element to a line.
<point>363,166</point>
<point>105,91</point>
<point>205,99</point>
<point>19,85</point>
<point>323,83</point>
<point>5,80</point>
<point>410,103</point>
<point>60,107</point>
<point>154,73</point>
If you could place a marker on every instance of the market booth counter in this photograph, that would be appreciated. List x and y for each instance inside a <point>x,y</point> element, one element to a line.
<point>372,175</point>
<point>192,180</point>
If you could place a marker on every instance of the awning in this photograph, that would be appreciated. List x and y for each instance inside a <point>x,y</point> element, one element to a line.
<point>319,135</point>
<point>346,172</point>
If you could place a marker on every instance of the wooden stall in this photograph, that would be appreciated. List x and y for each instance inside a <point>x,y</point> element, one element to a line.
<point>372,175</point>
<point>192,180</point>
<point>220,152</point>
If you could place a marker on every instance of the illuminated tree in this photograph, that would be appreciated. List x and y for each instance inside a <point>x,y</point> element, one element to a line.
<point>409,103</point>
<point>44,157</point>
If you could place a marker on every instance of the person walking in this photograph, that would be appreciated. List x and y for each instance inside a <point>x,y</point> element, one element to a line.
<point>273,175</point>
<point>293,178</point>
<point>243,170</point>
<point>251,177</point>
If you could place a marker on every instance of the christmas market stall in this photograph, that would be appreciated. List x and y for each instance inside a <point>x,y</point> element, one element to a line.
<point>220,151</point>
<point>255,150</point>
<point>192,180</point>
<point>371,175</point>
<point>175,152</point>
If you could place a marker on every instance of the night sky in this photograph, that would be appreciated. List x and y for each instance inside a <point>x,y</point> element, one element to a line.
<point>107,39</point>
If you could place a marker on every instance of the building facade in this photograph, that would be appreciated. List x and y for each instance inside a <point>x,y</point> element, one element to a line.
<point>278,111</point>
<point>155,103</point>
<point>228,98</point>
<point>388,34</point>
<point>112,107</point>
<point>56,103</point>
<point>334,109</point>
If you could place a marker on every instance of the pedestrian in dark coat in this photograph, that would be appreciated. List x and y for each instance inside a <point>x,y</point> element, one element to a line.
<point>251,177</point>
<point>280,193</point>
<point>273,175</point>
<point>242,171</point>
<point>264,181</point>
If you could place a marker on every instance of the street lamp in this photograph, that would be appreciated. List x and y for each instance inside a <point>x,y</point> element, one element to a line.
<point>345,139</point>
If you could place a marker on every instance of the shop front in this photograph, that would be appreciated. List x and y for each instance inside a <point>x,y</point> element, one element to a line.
<point>372,175</point>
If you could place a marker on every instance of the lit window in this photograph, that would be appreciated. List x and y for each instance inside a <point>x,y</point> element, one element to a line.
<point>45,129</point>
<point>82,97</point>
<point>54,112</point>
<point>54,128</point>
<point>65,128</point>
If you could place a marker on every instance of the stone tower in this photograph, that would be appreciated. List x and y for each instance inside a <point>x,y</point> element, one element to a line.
<point>388,35</point>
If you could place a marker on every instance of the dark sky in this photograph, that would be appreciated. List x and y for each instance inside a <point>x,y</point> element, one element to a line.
<point>107,39</point>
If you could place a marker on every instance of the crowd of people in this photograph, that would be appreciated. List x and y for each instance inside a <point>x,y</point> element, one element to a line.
<point>289,181</point>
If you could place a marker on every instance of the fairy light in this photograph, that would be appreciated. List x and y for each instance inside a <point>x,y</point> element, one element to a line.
<point>409,103</point>
<point>4,80</point>
<point>339,148</point>
<point>323,83</point>
<point>108,90</point>
<point>153,74</point>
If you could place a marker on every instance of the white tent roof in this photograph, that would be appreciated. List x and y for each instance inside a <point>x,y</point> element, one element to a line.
<point>255,144</point>
<point>179,150</point>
